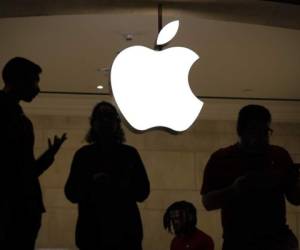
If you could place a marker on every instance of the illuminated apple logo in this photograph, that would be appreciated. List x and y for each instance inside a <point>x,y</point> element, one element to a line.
<point>151,87</point>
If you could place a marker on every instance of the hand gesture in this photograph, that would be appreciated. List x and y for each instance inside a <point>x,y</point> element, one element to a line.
<point>54,146</point>
<point>241,185</point>
<point>101,178</point>
<point>257,181</point>
<point>293,174</point>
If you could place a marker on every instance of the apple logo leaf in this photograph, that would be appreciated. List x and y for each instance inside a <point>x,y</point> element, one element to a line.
<point>167,33</point>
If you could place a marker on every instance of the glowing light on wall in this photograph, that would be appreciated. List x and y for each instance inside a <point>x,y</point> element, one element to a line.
<point>151,87</point>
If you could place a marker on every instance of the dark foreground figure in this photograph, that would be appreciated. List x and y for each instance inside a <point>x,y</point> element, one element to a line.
<point>21,204</point>
<point>107,179</point>
<point>249,182</point>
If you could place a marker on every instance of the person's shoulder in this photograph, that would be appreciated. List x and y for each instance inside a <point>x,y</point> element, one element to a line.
<point>201,233</point>
<point>225,151</point>
<point>204,236</point>
<point>2,96</point>
<point>174,242</point>
<point>278,151</point>
<point>84,149</point>
<point>3,101</point>
<point>128,148</point>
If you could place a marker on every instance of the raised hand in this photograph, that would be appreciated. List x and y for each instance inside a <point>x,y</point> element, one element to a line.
<point>54,146</point>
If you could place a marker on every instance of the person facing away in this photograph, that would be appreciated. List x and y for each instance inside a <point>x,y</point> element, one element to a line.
<point>21,204</point>
<point>249,182</point>
<point>107,179</point>
<point>181,218</point>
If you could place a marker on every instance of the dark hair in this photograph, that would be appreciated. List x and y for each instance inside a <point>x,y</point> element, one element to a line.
<point>252,113</point>
<point>187,208</point>
<point>119,136</point>
<point>17,68</point>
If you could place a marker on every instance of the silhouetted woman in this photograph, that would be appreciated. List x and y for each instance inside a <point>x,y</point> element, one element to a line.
<point>107,178</point>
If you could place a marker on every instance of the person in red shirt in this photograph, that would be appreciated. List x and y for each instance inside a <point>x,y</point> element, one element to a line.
<point>249,182</point>
<point>180,218</point>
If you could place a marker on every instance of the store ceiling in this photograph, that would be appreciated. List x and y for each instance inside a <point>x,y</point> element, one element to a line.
<point>247,49</point>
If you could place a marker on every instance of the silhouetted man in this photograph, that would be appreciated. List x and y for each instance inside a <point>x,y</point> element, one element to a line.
<point>181,219</point>
<point>249,182</point>
<point>21,204</point>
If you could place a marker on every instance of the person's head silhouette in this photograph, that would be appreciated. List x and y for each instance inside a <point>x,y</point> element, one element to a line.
<point>105,125</point>
<point>21,78</point>
<point>253,127</point>
<point>180,218</point>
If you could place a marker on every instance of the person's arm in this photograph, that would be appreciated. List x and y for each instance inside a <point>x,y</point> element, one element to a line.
<point>139,184</point>
<point>219,198</point>
<point>214,193</point>
<point>43,162</point>
<point>11,156</point>
<point>172,245</point>
<point>75,188</point>
<point>10,174</point>
<point>293,194</point>
<point>293,188</point>
<point>243,185</point>
<point>209,244</point>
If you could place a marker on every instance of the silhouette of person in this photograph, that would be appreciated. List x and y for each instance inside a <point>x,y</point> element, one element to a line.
<point>249,181</point>
<point>181,218</point>
<point>106,180</point>
<point>21,204</point>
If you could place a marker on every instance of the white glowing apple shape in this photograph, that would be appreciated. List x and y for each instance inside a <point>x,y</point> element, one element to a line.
<point>151,87</point>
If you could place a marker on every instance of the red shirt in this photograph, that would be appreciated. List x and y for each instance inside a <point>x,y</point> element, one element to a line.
<point>257,213</point>
<point>197,240</point>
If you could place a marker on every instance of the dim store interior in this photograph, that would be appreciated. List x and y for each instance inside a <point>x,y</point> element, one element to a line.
<point>249,53</point>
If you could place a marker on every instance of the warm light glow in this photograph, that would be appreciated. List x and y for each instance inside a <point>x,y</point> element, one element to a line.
<point>151,87</point>
<point>99,87</point>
